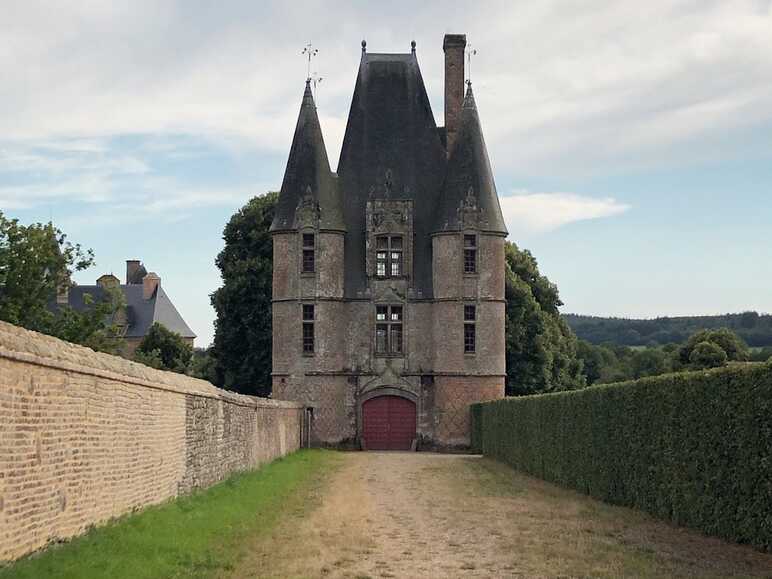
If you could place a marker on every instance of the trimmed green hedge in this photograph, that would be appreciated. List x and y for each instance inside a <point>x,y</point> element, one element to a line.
<point>694,448</point>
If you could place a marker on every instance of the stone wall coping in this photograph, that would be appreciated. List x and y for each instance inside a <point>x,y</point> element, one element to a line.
<point>39,349</point>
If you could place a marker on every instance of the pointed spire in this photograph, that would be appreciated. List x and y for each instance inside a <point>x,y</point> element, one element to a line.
<point>469,97</point>
<point>469,184</point>
<point>308,180</point>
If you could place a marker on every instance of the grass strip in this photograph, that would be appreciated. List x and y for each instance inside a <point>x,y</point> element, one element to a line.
<point>199,535</point>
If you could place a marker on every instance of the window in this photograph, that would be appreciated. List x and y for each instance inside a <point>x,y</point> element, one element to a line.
<point>388,256</point>
<point>309,257</point>
<point>388,330</point>
<point>308,329</point>
<point>470,254</point>
<point>470,337</point>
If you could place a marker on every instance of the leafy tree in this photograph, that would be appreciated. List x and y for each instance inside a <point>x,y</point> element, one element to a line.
<point>35,261</point>
<point>735,349</point>
<point>540,347</point>
<point>754,328</point>
<point>761,355</point>
<point>203,364</point>
<point>649,362</point>
<point>707,355</point>
<point>163,349</point>
<point>97,327</point>
<point>242,341</point>
<point>749,319</point>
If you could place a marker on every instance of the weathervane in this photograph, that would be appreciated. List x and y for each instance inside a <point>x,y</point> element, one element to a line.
<point>470,52</point>
<point>310,52</point>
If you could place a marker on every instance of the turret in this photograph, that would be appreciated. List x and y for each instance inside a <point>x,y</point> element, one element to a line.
<point>468,252</point>
<point>308,234</point>
<point>309,191</point>
<point>469,196</point>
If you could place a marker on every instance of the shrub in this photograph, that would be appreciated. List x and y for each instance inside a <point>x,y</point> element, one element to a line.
<point>736,350</point>
<point>707,355</point>
<point>163,349</point>
<point>694,448</point>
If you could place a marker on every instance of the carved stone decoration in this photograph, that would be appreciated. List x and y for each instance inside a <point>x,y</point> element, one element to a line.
<point>307,212</point>
<point>389,217</point>
<point>470,214</point>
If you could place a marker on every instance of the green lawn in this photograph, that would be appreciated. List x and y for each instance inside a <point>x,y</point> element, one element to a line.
<point>194,536</point>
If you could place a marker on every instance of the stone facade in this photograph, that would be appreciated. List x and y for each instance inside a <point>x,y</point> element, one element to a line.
<point>402,195</point>
<point>85,437</point>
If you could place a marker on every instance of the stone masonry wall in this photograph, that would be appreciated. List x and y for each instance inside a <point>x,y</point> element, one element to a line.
<point>85,437</point>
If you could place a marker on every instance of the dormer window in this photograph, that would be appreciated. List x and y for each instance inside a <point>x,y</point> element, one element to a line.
<point>309,253</point>
<point>388,256</point>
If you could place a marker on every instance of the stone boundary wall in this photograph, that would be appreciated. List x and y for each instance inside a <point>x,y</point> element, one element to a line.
<point>85,437</point>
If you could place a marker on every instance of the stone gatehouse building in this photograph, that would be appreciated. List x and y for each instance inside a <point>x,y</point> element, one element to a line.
<point>388,280</point>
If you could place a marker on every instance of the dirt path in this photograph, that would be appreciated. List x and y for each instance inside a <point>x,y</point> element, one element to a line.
<point>419,515</point>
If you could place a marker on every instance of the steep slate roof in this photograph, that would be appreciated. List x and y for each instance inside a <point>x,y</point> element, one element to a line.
<point>470,178</point>
<point>391,149</point>
<point>308,175</point>
<point>140,313</point>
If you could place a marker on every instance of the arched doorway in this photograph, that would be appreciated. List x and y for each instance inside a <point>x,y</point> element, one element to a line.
<point>389,423</point>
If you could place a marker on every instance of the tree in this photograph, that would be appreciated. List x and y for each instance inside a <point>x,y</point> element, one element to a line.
<point>707,355</point>
<point>163,349</point>
<point>203,365</point>
<point>35,262</point>
<point>735,349</point>
<point>95,327</point>
<point>242,341</point>
<point>540,347</point>
<point>650,361</point>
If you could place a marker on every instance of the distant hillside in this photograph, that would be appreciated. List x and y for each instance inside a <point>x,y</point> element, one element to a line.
<point>754,328</point>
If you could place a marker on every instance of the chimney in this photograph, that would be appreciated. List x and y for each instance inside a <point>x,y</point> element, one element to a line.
<point>453,45</point>
<point>149,284</point>
<point>132,265</point>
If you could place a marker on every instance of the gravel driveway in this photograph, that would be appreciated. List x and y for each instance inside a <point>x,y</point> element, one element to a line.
<point>414,515</point>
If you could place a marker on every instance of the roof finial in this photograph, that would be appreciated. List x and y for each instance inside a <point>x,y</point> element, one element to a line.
<point>309,51</point>
<point>317,80</point>
<point>412,46</point>
<point>470,52</point>
<point>364,46</point>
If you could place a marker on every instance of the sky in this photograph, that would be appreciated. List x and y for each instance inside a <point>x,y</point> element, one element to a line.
<point>631,141</point>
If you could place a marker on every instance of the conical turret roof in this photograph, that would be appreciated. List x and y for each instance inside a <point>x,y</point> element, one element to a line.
<point>308,181</point>
<point>470,191</point>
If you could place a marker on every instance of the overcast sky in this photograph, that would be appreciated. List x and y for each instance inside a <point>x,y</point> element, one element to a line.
<point>632,141</point>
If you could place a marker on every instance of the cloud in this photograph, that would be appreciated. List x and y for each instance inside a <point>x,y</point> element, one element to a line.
<point>542,212</point>
<point>574,86</point>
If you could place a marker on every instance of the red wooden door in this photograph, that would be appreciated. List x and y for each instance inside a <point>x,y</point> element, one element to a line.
<point>389,423</point>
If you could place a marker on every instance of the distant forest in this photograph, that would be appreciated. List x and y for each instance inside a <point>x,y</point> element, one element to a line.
<point>754,328</point>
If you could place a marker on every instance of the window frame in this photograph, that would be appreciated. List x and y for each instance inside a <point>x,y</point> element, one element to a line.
<point>470,329</point>
<point>389,330</point>
<point>470,253</point>
<point>393,255</point>
<point>308,324</point>
<point>308,250</point>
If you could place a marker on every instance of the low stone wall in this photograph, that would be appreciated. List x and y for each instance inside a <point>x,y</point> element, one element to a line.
<point>85,437</point>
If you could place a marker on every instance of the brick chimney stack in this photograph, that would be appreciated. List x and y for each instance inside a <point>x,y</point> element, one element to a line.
<point>149,284</point>
<point>453,46</point>
<point>132,265</point>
